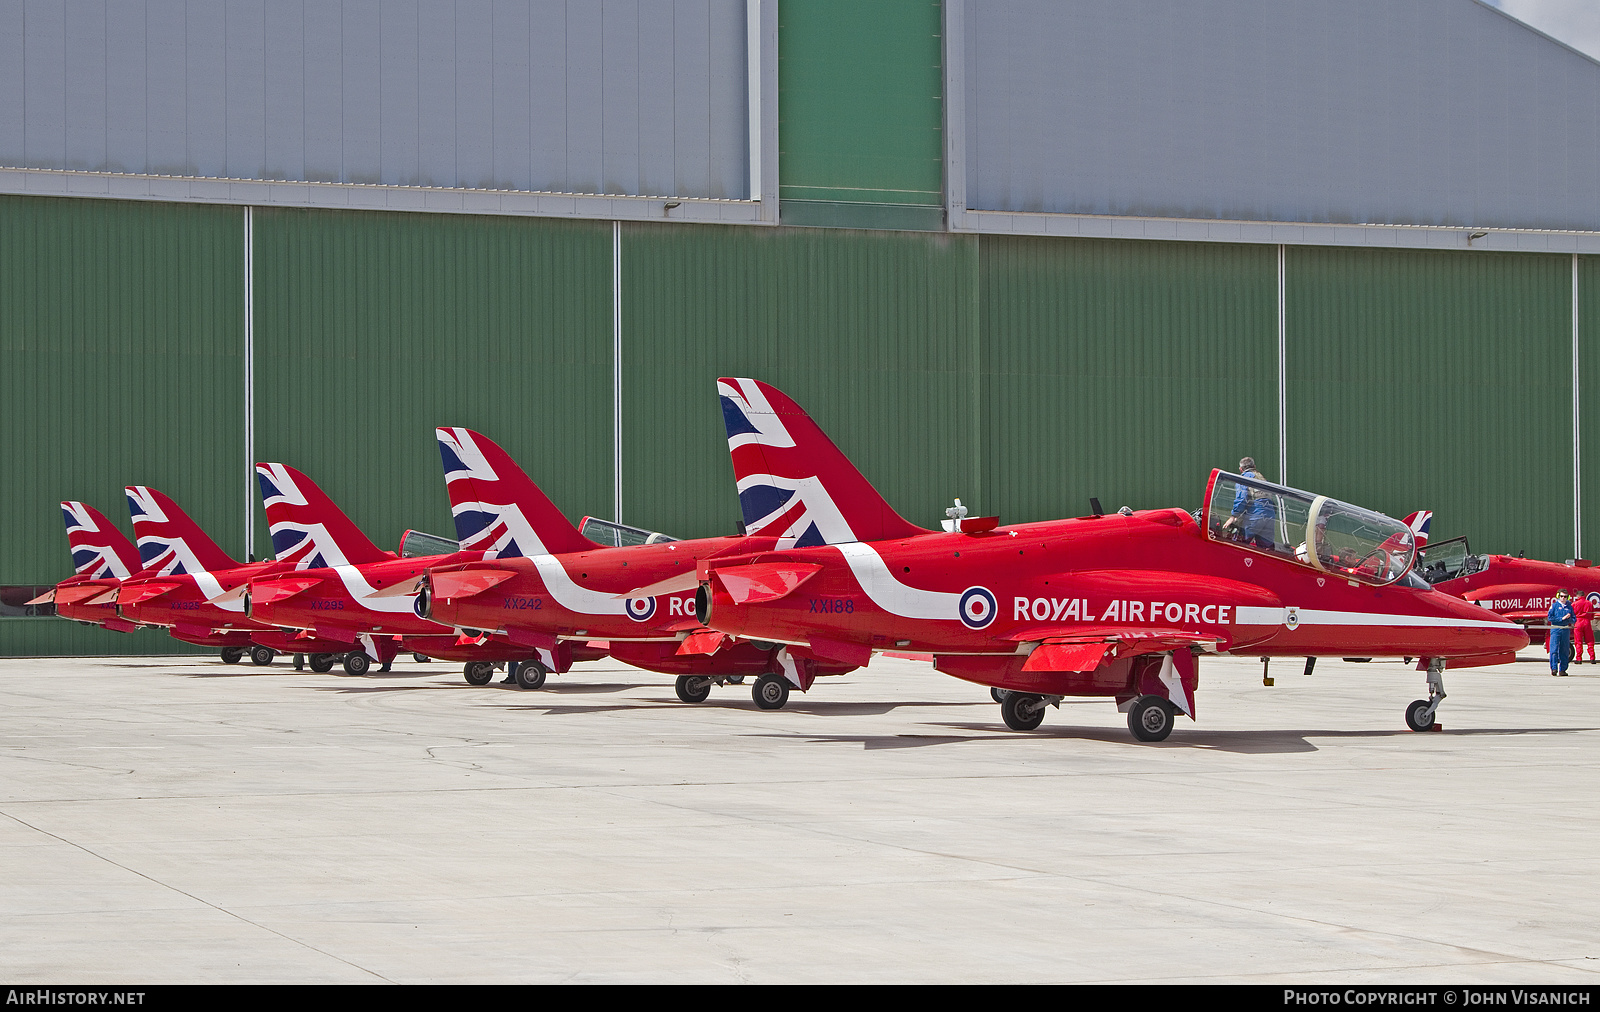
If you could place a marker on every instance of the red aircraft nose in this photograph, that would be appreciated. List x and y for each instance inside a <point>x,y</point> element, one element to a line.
<point>1480,631</point>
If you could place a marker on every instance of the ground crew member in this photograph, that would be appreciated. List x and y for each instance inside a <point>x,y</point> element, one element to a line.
<point>1582,631</point>
<point>1560,641</point>
<point>1254,511</point>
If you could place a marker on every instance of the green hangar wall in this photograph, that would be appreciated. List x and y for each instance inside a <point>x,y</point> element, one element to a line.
<point>1023,374</point>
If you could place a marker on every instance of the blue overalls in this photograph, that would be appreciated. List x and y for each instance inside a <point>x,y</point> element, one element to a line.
<point>1256,515</point>
<point>1560,642</point>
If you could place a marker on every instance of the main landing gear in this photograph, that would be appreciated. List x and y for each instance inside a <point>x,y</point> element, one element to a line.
<point>697,688</point>
<point>262,656</point>
<point>232,655</point>
<point>478,672</point>
<point>531,675</point>
<point>323,663</point>
<point>1024,711</point>
<point>1420,714</point>
<point>1150,718</point>
<point>770,692</point>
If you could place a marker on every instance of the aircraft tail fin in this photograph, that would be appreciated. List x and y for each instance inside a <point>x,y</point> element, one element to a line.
<point>99,549</point>
<point>307,528</point>
<point>793,482</point>
<point>170,543</point>
<point>1419,522</point>
<point>497,507</point>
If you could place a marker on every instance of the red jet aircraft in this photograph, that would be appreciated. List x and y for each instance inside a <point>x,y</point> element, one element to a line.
<point>186,586</point>
<point>103,557</point>
<point>568,590</point>
<point>1520,589</point>
<point>335,582</point>
<point>1119,606</point>
<point>184,583</point>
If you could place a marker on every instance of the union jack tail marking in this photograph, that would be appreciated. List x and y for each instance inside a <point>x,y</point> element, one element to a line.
<point>171,544</point>
<point>1419,522</point>
<point>307,528</point>
<point>99,550</point>
<point>793,482</point>
<point>497,508</point>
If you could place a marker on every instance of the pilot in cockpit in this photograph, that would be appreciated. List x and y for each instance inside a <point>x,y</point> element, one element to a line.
<point>1253,511</point>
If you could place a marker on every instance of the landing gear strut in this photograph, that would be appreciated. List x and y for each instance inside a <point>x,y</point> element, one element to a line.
<point>1420,714</point>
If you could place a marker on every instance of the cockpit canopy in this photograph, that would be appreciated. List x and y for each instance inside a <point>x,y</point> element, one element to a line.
<point>606,532</point>
<point>1325,534</point>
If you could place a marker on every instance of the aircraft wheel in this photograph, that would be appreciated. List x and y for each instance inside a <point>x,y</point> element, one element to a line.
<point>1151,718</point>
<point>770,692</point>
<point>356,662</point>
<point>1414,716</point>
<point>478,672</point>
<point>693,688</point>
<point>998,694</point>
<point>262,656</point>
<point>1022,711</point>
<point>232,655</point>
<point>735,679</point>
<point>531,675</point>
<point>322,663</point>
<point>421,658</point>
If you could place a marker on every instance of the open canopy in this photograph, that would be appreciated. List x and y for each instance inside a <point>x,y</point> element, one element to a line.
<point>1313,530</point>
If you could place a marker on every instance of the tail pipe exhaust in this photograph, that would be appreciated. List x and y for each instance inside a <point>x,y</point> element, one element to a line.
<point>423,605</point>
<point>702,604</point>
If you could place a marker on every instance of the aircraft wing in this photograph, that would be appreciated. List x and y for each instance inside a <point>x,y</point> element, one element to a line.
<point>1082,648</point>
<point>703,641</point>
<point>767,581</point>
<point>268,591</point>
<point>456,584</point>
<point>671,585</point>
<point>145,591</point>
<point>48,597</point>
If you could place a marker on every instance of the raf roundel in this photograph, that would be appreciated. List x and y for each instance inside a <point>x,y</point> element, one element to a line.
<point>640,609</point>
<point>978,607</point>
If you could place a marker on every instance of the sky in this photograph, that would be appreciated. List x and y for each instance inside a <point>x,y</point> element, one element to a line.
<point>1575,22</point>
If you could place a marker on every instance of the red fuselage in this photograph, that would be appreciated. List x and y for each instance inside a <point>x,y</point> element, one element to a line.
<point>980,602</point>
<point>1523,589</point>
<point>583,596</point>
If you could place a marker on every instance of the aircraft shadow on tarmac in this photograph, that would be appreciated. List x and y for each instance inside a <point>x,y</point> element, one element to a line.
<point>1276,742</point>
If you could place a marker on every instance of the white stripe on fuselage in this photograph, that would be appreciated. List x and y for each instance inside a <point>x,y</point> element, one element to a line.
<point>888,593</point>
<point>1246,615</point>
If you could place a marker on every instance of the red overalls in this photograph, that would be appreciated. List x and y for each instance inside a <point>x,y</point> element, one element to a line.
<point>1582,631</point>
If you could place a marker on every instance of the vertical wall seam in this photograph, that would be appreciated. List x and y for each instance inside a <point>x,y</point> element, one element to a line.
<point>249,384</point>
<point>1283,378</point>
<point>1577,453</point>
<point>752,57</point>
<point>616,371</point>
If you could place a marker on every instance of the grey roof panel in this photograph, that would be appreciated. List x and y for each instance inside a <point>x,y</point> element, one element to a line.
<point>562,95</point>
<point>1434,112</point>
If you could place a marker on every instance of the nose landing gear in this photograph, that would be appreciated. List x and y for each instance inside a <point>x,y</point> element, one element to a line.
<point>1420,714</point>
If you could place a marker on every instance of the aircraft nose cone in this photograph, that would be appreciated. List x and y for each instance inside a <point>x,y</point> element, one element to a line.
<point>1485,630</point>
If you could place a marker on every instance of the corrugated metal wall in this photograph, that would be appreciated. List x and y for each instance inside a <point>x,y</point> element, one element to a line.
<point>862,113</point>
<point>1429,112</point>
<point>628,98</point>
<point>1123,371</point>
<point>1022,374</point>
<point>1589,400</point>
<point>870,331</point>
<point>1440,381</point>
<point>120,341</point>
<point>372,329</point>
